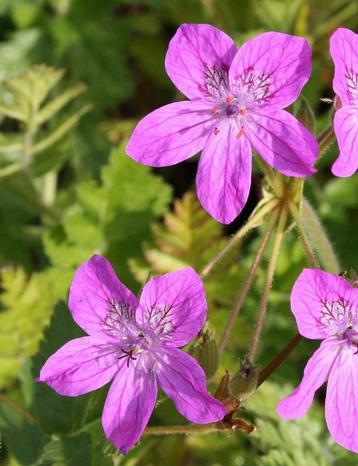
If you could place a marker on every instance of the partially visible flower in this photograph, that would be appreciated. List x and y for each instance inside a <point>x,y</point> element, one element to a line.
<point>344,51</point>
<point>135,343</point>
<point>236,101</point>
<point>326,308</point>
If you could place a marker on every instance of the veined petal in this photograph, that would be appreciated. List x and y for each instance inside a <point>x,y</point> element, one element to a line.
<point>277,63</point>
<point>171,134</point>
<point>346,129</point>
<point>315,374</point>
<point>129,405</point>
<point>344,51</point>
<point>174,306</point>
<point>183,380</point>
<point>320,301</point>
<point>342,400</point>
<point>80,366</point>
<point>98,301</point>
<point>224,173</point>
<point>196,52</point>
<point>283,142</point>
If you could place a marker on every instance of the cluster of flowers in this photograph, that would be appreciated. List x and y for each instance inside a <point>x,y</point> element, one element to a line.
<point>237,97</point>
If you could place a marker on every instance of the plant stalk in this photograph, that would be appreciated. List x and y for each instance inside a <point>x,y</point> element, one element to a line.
<point>279,359</point>
<point>304,238</point>
<point>268,283</point>
<point>23,413</point>
<point>251,223</point>
<point>247,283</point>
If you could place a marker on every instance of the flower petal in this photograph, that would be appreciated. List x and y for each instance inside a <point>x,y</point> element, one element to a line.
<point>283,142</point>
<point>315,374</point>
<point>128,407</point>
<point>342,400</point>
<point>313,299</point>
<point>195,49</point>
<point>97,297</point>
<point>171,134</point>
<point>346,129</point>
<point>344,51</point>
<point>280,60</point>
<point>183,380</point>
<point>80,366</point>
<point>224,173</point>
<point>174,305</point>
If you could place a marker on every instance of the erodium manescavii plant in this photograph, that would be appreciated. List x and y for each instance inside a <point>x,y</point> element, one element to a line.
<point>236,101</point>
<point>134,342</point>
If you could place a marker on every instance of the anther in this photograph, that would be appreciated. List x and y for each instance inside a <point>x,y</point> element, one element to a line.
<point>216,130</point>
<point>240,133</point>
<point>229,99</point>
<point>215,111</point>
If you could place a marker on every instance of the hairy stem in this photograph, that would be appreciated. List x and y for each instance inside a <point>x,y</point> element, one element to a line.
<point>304,238</point>
<point>25,414</point>
<point>267,286</point>
<point>325,140</point>
<point>191,429</point>
<point>279,359</point>
<point>251,223</point>
<point>247,283</point>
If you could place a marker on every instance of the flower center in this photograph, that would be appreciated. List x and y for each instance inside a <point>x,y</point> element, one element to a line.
<point>232,110</point>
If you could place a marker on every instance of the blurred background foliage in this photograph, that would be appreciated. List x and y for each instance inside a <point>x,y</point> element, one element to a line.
<point>75,76</point>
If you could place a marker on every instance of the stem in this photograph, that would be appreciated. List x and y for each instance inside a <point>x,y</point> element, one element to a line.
<point>268,282</point>
<point>325,140</point>
<point>27,149</point>
<point>247,284</point>
<point>304,238</point>
<point>25,414</point>
<point>279,359</point>
<point>251,223</point>
<point>197,429</point>
<point>49,188</point>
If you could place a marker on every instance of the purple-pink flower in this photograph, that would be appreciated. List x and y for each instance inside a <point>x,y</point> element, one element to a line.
<point>236,103</point>
<point>344,51</point>
<point>326,308</point>
<point>135,343</point>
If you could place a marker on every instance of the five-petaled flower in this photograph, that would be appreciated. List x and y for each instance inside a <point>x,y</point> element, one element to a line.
<point>344,51</point>
<point>326,307</point>
<point>135,343</point>
<point>236,101</point>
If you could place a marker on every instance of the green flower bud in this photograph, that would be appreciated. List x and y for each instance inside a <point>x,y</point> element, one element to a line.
<point>206,352</point>
<point>244,382</point>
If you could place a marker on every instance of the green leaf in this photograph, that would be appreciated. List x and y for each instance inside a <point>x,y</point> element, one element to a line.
<point>59,414</point>
<point>67,451</point>
<point>23,439</point>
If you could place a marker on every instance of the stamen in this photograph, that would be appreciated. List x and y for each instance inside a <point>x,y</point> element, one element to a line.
<point>229,99</point>
<point>215,111</point>
<point>240,133</point>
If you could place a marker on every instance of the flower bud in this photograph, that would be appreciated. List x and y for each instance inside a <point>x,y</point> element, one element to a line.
<point>244,382</point>
<point>206,352</point>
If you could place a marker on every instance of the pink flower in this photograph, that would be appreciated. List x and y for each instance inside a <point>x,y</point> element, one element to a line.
<point>326,308</point>
<point>135,344</point>
<point>236,101</point>
<point>344,51</point>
